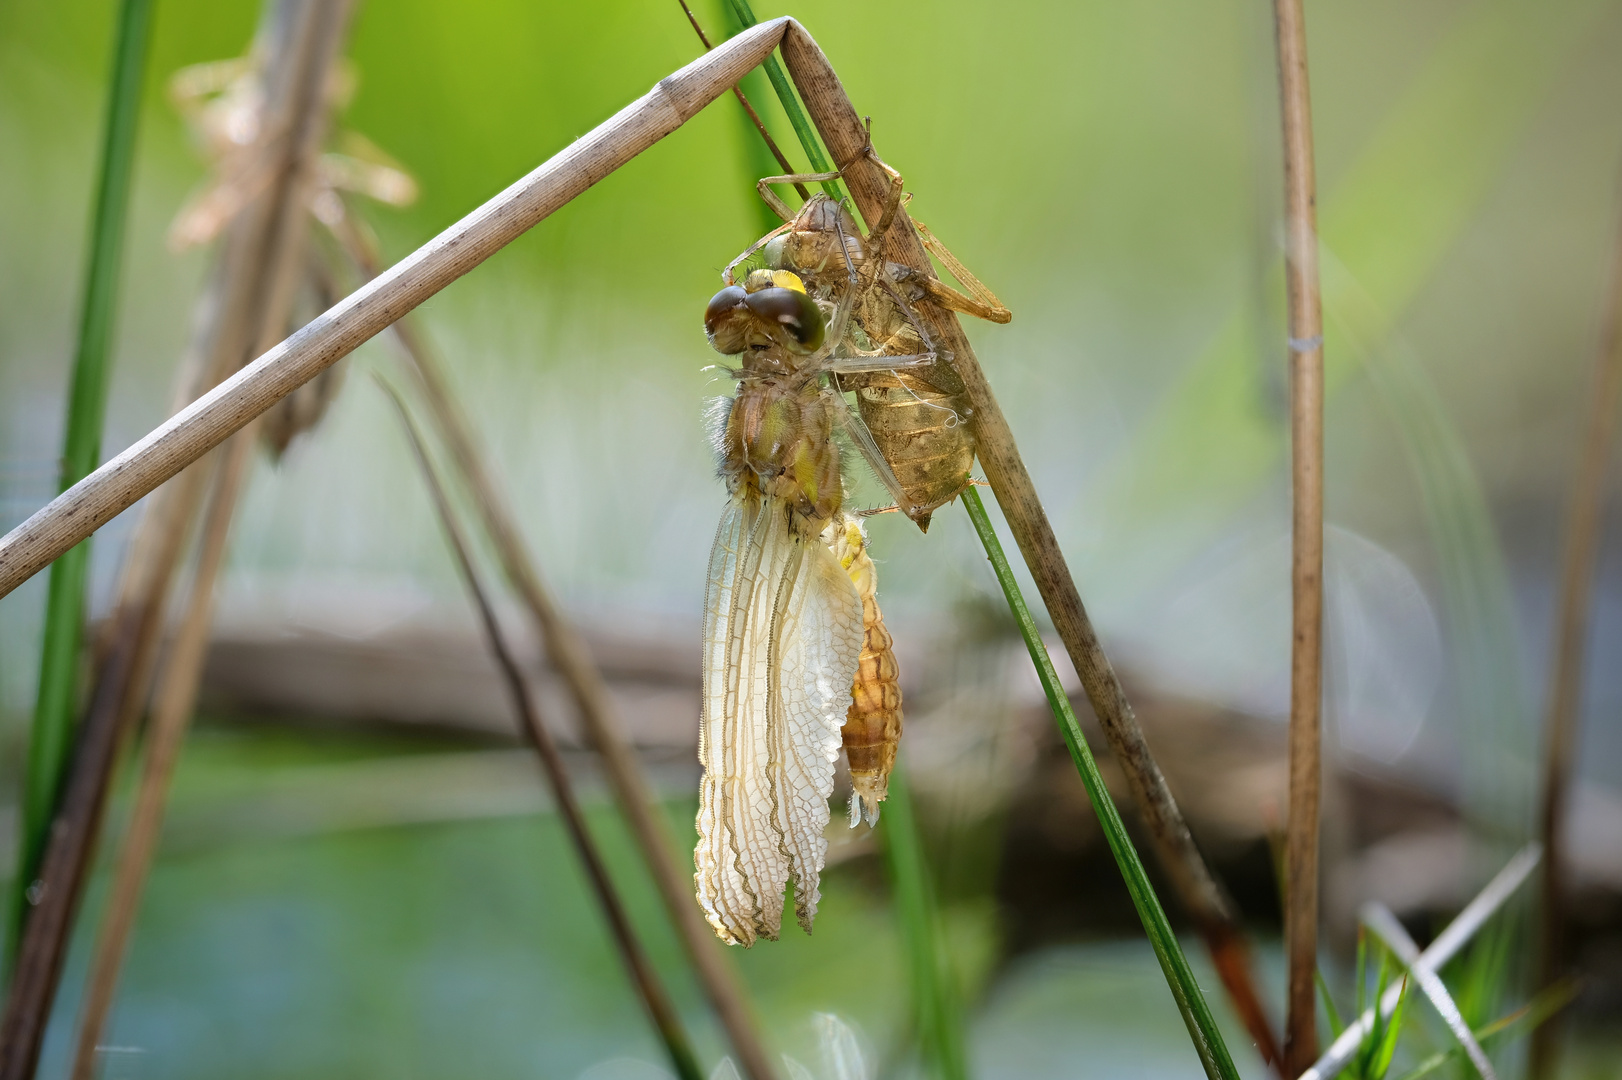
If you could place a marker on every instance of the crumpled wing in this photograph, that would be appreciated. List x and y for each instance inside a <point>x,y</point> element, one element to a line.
<point>782,633</point>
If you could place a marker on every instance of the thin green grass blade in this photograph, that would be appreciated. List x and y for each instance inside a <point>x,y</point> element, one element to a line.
<point>1335,1024</point>
<point>1388,1040</point>
<point>791,106</point>
<point>57,701</point>
<point>1185,990</point>
<point>939,1013</point>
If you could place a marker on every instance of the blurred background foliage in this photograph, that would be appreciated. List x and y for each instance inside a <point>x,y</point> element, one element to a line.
<point>1111,171</point>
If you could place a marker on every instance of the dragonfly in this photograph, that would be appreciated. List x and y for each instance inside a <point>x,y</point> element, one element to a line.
<point>826,313</point>
<point>794,644</point>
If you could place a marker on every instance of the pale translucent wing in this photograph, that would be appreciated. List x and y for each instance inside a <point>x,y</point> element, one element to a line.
<point>816,643</point>
<point>728,883</point>
<point>782,633</point>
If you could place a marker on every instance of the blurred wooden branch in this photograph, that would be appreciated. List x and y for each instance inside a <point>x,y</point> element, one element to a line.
<point>1306,564</point>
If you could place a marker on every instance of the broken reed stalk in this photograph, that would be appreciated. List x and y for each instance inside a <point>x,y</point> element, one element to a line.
<point>654,996</point>
<point>1307,531</point>
<point>57,700</point>
<point>1446,946</point>
<point>1571,628</point>
<point>568,655</point>
<point>1197,887</point>
<point>172,707</point>
<point>211,419</point>
<point>1185,989</point>
<point>245,310</point>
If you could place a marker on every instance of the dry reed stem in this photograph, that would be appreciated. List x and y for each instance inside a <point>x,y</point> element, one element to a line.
<point>1583,520</point>
<point>654,996</point>
<point>1306,563</point>
<point>166,731</point>
<point>1197,888</point>
<point>1446,946</point>
<point>210,420</point>
<point>568,654</point>
<point>244,313</point>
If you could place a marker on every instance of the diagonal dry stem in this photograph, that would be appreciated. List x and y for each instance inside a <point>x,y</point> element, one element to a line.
<point>1306,563</point>
<point>652,991</point>
<point>166,732</point>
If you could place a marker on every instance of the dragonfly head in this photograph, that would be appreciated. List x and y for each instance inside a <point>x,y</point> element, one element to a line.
<point>769,309</point>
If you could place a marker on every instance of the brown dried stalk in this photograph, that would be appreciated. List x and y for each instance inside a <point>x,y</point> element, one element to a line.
<point>652,991</point>
<point>570,657</point>
<point>1306,564</point>
<point>1583,519</point>
<point>166,731</point>
<point>1200,892</point>
<point>247,311</point>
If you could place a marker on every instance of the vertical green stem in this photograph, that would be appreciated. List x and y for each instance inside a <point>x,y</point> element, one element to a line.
<point>937,1011</point>
<point>791,105</point>
<point>1191,1002</point>
<point>81,448</point>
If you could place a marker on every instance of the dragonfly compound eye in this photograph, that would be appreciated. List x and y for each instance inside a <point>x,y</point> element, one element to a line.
<point>726,320</point>
<point>795,313</point>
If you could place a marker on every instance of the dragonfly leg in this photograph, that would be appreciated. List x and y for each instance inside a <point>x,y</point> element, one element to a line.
<point>983,304</point>
<point>866,362</point>
<point>726,275</point>
<point>779,207</point>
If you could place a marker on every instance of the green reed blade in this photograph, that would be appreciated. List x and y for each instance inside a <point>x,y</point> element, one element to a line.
<point>1202,1027</point>
<point>791,106</point>
<point>938,1012</point>
<point>81,450</point>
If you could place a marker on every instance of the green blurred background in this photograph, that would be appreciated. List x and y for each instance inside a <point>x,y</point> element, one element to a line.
<point>1112,172</point>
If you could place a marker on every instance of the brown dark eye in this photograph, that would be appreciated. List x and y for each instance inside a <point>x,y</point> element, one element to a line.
<point>726,320</point>
<point>794,311</point>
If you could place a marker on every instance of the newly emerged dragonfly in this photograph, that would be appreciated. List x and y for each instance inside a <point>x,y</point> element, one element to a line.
<point>798,662</point>
<point>784,622</point>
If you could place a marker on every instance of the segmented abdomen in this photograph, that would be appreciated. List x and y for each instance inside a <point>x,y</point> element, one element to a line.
<point>872,727</point>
